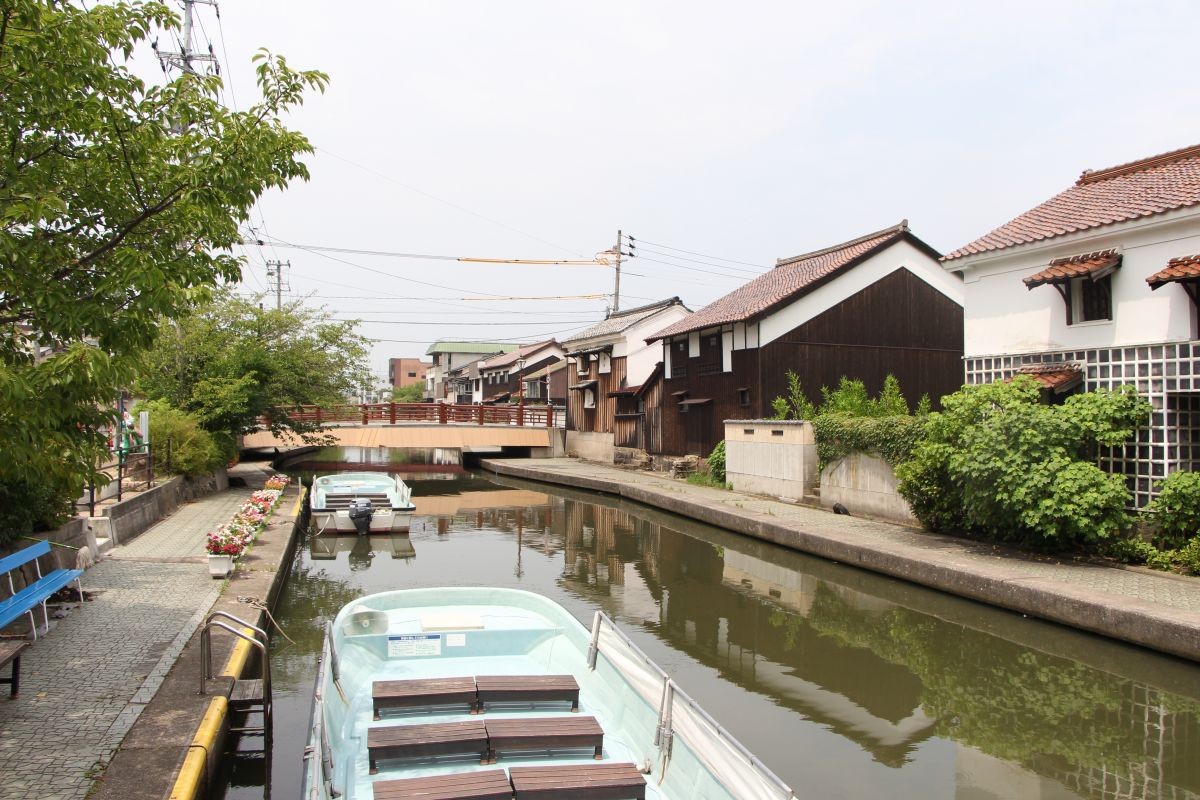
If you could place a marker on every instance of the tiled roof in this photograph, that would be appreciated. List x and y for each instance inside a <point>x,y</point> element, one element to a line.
<point>524,351</point>
<point>1096,264</point>
<point>470,347</point>
<point>1101,197</point>
<point>1184,268</point>
<point>622,320</point>
<point>1058,378</point>
<point>790,278</point>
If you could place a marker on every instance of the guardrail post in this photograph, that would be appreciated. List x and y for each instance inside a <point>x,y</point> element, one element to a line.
<point>393,412</point>
<point>120,473</point>
<point>521,414</point>
<point>480,407</point>
<point>318,413</point>
<point>549,414</point>
<point>441,412</point>
<point>149,465</point>
<point>365,419</point>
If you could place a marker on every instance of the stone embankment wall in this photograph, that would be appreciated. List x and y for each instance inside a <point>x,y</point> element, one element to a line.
<point>772,457</point>
<point>591,446</point>
<point>865,485</point>
<point>123,521</point>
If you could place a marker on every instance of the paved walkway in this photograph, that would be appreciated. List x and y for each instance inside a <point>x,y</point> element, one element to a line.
<point>1157,610</point>
<point>85,683</point>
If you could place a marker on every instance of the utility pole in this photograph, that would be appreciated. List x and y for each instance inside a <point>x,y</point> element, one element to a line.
<point>183,58</point>
<point>275,273</point>
<point>617,286</point>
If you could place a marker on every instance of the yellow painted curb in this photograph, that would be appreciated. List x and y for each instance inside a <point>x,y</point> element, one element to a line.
<point>237,659</point>
<point>299,503</point>
<point>191,774</point>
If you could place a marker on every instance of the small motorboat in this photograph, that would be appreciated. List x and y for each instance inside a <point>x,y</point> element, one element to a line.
<point>360,502</point>
<point>485,693</point>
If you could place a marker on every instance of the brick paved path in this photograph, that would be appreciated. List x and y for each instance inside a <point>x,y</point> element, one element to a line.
<point>84,684</point>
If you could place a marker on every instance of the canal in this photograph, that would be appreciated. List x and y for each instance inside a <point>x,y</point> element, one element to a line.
<point>847,684</point>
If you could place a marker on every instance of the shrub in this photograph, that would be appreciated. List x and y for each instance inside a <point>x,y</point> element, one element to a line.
<point>27,507</point>
<point>781,408</point>
<point>999,463</point>
<point>193,450</point>
<point>1177,508</point>
<point>716,462</point>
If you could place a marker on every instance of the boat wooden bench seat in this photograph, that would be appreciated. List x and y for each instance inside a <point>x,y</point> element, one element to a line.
<point>619,781</point>
<point>435,739</point>
<point>422,693</point>
<point>488,784</point>
<point>527,688</point>
<point>543,733</point>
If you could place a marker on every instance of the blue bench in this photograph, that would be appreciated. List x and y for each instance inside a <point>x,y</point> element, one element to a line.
<point>36,594</point>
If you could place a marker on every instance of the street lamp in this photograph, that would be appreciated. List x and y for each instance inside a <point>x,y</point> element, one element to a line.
<point>521,380</point>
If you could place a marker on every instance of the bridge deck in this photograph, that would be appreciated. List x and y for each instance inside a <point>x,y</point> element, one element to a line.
<point>458,437</point>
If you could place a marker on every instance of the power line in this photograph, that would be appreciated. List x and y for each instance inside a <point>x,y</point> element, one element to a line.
<point>455,324</point>
<point>741,278</point>
<point>429,257</point>
<point>640,242</point>
<point>455,206</point>
<point>531,337</point>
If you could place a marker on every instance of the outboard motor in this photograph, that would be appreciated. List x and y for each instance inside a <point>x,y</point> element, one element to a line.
<point>361,511</point>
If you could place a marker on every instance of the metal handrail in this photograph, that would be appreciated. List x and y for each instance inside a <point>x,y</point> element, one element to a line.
<point>206,655</point>
<point>239,621</point>
<point>663,734</point>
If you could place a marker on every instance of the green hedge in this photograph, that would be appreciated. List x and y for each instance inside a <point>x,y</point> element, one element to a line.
<point>892,438</point>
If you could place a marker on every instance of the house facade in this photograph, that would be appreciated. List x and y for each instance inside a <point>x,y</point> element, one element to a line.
<point>407,371</point>
<point>448,357</point>
<point>877,305</point>
<point>605,361</point>
<point>500,378</point>
<point>1097,287</point>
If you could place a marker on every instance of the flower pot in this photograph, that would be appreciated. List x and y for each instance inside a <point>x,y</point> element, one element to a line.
<point>220,566</point>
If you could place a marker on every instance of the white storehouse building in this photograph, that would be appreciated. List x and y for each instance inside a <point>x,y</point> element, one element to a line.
<point>1097,287</point>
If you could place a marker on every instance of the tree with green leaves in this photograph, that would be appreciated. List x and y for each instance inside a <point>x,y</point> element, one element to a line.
<point>119,202</point>
<point>231,361</point>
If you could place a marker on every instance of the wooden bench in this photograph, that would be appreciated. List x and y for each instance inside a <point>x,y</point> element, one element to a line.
<point>36,593</point>
<point>488,784</point>
<point>527,688</point>
<point>543,733</point>
<point>578,782</point>
<point>422,693</point>
<point>11,651</point>
<point>435,739</point>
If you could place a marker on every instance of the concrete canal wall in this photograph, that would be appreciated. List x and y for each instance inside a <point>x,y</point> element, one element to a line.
<point>175,748</point>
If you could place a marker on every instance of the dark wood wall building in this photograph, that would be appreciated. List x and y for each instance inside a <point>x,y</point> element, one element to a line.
<point>730,359</point>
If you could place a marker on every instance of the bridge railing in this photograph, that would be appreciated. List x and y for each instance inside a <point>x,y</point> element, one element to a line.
<point>428,413</point>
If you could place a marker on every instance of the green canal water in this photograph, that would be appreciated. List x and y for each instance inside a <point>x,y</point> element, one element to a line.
<point>845,683</point>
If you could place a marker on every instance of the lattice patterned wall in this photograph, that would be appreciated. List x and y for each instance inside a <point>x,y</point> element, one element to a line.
<point>1166,374</point>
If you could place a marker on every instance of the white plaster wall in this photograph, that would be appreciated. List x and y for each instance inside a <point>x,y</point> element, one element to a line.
<point>902,254</point>
<point>640,357</point>
<point>1002,316</point>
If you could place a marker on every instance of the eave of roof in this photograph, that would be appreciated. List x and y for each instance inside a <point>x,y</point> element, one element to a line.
<point>790,279</point>
<point>470,347</point>
<point>1091,265</point>
<point>618,322</point>
<point>1058,378</point>
<point>1178,270</point>
<point>1138,189</point>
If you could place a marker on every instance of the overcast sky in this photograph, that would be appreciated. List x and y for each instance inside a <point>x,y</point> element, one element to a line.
<point>745,131</point>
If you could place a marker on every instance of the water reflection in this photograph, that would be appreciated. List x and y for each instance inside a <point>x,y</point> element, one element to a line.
<point>845,683</point>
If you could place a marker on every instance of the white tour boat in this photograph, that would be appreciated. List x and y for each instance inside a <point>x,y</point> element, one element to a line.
<point>483,694</point>
<point>360,502</point>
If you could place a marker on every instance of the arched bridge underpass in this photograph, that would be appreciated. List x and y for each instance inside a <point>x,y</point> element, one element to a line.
<point>469,428</point>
